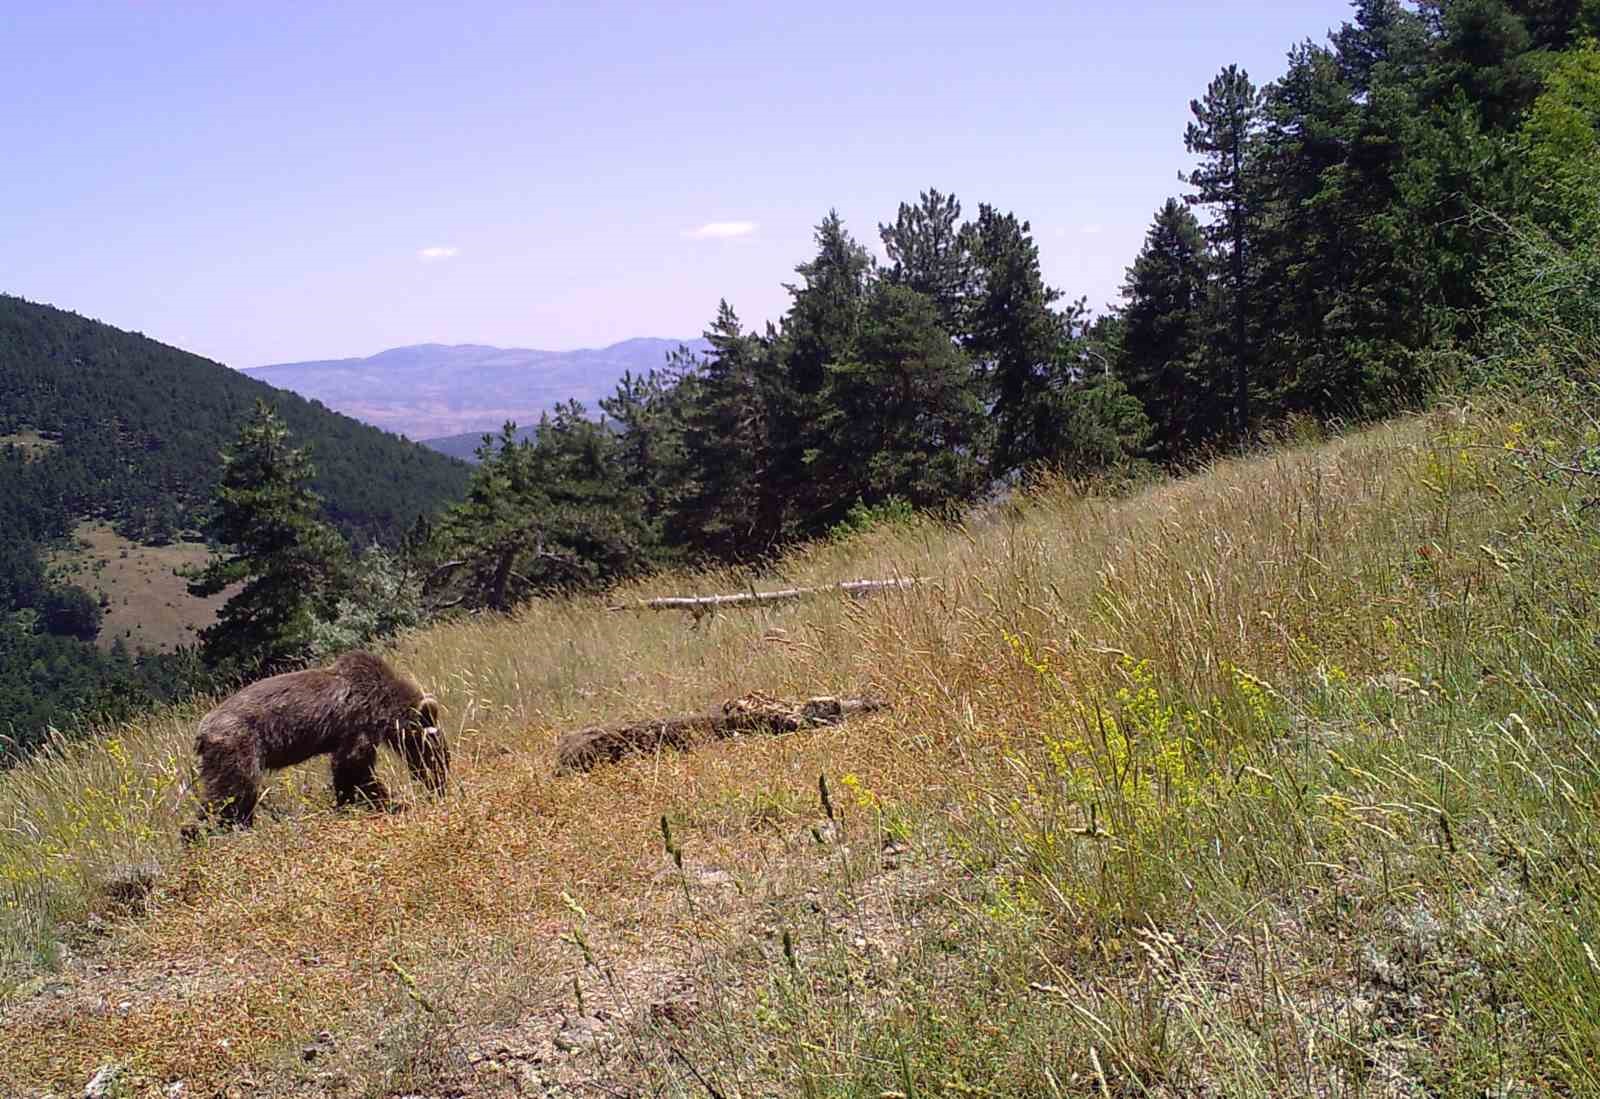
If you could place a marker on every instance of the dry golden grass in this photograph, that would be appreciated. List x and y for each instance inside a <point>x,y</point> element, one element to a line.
<point>1132,865</point>
<point>149,605</point>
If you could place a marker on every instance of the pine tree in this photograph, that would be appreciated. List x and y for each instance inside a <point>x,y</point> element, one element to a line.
<point>486,532</point>
<point>1386,43</point>
<point>1374,317</point>
<point>290,563</point>
<point>1162,332</point>
<point>544,514</point>
<point>905,417</point>
<point>1101,427</point>
<point>1557,24</point>
<point>648,413</point>
<point>825,309</point>
<point>592,527</point>
<point>1306,234</point>
<point>821,327</point>
<point>726,451</point>
<point>1484,53</point>
<point>928,253</point>
<point>1222,135</point>
<point>1012,334</point>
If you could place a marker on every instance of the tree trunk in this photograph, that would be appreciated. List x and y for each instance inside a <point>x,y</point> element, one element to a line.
<point>705,604</point>
<point>584,749</point>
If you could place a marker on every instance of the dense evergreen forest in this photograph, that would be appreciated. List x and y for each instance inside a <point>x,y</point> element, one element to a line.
<point>104,424</point>
<point>1410,208</point>
<point>1411,201</point>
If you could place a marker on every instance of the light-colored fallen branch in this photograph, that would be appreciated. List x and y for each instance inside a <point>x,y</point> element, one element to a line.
<point>584,749</point>
<point>705,604</point>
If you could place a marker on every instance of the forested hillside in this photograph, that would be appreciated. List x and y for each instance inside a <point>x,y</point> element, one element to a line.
<point>100,423</point>
<point>140,426</point>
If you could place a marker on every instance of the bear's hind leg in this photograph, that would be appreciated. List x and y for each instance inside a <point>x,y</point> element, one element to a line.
<point>232,791</point>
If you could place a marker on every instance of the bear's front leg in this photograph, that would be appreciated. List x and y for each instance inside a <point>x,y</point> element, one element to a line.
<point>355,776</point>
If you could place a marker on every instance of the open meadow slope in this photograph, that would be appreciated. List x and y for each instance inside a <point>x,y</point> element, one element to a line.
<point>1280,779</point>
<point>142,592</point>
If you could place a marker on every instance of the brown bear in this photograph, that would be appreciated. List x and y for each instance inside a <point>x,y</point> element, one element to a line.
<point>345,711</point>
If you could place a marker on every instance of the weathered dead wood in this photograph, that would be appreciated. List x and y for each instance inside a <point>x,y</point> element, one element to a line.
<point>584,749</point>
<point>705,604</point>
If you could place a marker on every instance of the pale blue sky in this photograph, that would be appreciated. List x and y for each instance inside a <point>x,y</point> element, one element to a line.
<point>262,182</point>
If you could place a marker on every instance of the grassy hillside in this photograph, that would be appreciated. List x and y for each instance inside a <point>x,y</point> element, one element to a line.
<point>1277,780</point>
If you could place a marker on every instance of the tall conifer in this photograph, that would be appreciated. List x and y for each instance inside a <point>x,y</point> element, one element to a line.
<point>1222,134</point>
<point>289,562</point>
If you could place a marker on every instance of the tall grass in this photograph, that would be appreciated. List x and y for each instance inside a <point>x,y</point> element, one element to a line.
<point>1277,779</point>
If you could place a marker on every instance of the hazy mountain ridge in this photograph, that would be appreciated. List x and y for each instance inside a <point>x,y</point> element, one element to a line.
<point>434,392</point>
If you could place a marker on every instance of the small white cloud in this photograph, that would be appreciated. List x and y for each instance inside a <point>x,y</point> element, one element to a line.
<point>438,251</point>
<point>721,230</point>
<point>1093,229</point>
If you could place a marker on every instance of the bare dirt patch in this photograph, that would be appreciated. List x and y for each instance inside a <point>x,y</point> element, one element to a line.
<point>147,605</point>
<point>32,444</point>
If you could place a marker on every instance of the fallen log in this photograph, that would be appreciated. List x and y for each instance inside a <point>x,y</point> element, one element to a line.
<point>584,749</point>
<point>705,604</point>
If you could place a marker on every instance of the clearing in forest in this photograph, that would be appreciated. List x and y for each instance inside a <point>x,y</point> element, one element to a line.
<point>147,604</point>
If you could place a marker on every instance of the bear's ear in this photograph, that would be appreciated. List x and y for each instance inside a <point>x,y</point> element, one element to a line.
<point>428,710</point>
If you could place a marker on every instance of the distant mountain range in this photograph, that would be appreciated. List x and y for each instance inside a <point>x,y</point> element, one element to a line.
<point>448,395</point>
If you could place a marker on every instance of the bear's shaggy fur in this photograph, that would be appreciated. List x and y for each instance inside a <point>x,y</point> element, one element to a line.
<point>345,711</point>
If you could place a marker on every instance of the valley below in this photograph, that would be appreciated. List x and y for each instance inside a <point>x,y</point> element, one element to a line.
<point>447,396</point>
